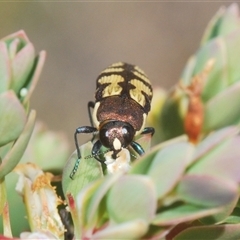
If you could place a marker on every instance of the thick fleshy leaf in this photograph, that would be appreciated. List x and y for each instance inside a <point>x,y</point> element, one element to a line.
<point>128,231</point>
<point>215,117</point>
<point>211,30</point>
<point>222,215</point>
<point>230,21</point>
<point>168,166</point>
<point>19,34</point>
<point>34,77</point>
<point>218,76</point>
<point>13,47</point>
<point>5,73</point>
<point>221,43</point>
<point>232,41</point>
<point>22,65</point>
<point>221,162</point>
<point>170,118</point>
<point>205,190</point>
<point>224,21</point>
<point>142,164</point>
<point>13,117</point>
<point>188,71</point>
<point>156,232</point>
<point>48,149</point>
<point>13,157</point>
<point>78,205</point>
<point>87,170</point>
<point>86,208</point>
<point>213,141</point>
<point>94,210</point>
<point>234,218</point>
<point>3,196</point>
<point>215,232</point>
<point>132,197</point>
<point>183,213</point>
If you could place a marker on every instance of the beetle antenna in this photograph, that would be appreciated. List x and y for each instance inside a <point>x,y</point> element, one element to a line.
<point>133,155</point>
<point>98,154</point>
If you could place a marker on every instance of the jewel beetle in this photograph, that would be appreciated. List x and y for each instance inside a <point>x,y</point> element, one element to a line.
<point>122,102</point>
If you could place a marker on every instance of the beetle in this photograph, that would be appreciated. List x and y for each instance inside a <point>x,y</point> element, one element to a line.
<point>122,102</point>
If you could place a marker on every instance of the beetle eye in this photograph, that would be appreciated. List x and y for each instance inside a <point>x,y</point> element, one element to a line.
<point>105,137</point>
<point>127,134</point>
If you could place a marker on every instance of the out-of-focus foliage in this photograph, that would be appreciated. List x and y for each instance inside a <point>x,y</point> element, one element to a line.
<point>19,72</point>
<point>173,183</point>
<point>20,69</point>
<point>185,187</point>
<point>220,94</point>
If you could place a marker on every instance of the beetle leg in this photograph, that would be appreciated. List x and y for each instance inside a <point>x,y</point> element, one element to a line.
<point>96,149</point>
<point>148,130</point>
<point>137,147</point>
<point>75,168</point>
<point>84,129</point>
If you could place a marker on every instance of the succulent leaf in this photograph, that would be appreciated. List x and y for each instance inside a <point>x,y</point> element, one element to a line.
<point>225,21</point>
<point>127,206</point>
<point>22,65</point>
<point>42,149</point>
<point>13,157</point>
<point>218,232</point>
<point>215,118</point>
<point>168,166</point>
<point>19,68</point>
<point>13,117</point>
<point>5,71</point>
<point>206,190</point>
<point>142,164</point>
<point>183,213</point>
<point>34,76</point>
<point>128,231</point>
<point>88,170</point>
<point>222,161</point>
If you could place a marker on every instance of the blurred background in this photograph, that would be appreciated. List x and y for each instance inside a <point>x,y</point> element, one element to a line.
<point>82,38</point>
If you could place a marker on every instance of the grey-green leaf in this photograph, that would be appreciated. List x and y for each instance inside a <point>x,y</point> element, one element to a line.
<point>169,165</point>
<point>215,117</point>
<point>5,71</point>
<point>13,117</point>
<point>132,197</point>
<point>208,191</point>
<point>214,232</point>
<point>87,171</point>
<point>182,213</point>
<point>13,157</point>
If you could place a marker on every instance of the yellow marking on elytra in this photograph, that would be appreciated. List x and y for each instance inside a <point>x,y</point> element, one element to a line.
<point>119,64</point>
<point>143,77</point>
<point>136,93</point>
<point>139,70</point>
<point>113,88</point>
<point>113,70</point>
